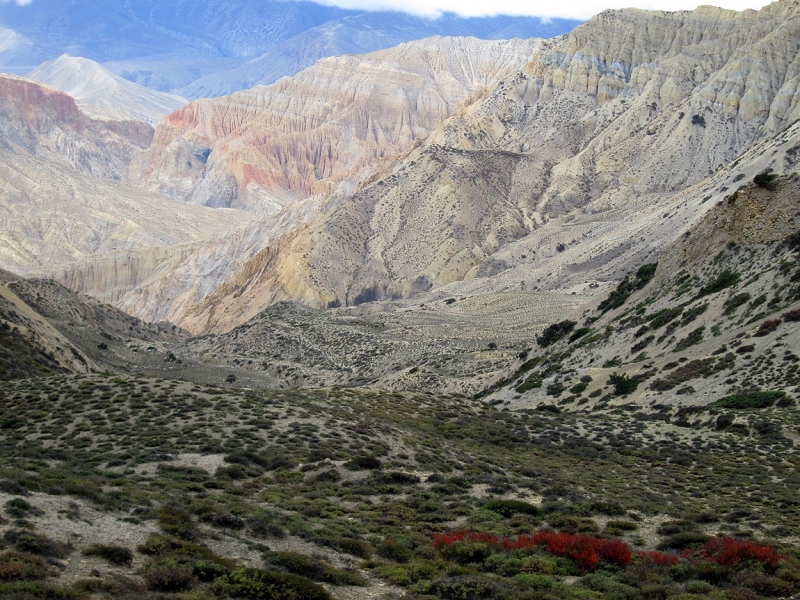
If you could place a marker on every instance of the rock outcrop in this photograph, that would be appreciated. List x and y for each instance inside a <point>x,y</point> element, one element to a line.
<point>263,148</point>
<point>36,120</point>
<point>60,202</point>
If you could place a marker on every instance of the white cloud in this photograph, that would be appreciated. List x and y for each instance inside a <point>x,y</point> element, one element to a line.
<point>576,9</point>
<point>18,2</point>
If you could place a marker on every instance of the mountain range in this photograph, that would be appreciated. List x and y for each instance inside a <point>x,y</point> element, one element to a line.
<point>456,318</point>
<point>219,47</point>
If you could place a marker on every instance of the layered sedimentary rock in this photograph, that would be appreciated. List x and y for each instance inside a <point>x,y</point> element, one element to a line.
<point>633,113</point>
<point>268,146</point>
<point>60,202</point>
<point>36,120</point>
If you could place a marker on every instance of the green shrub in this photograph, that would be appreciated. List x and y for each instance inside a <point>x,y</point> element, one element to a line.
<point>579,333</point>
<point>555,332</point>
<point>679,541</point>
<point>30,590</point>
<point>19,566</point>
<point>623,385</point>
<point>296,563</point>
<point>734,302</point>
<point>694,338</point>
<point>169,579</point>
<point>645,274</point>
<point>392,550</point>
<point>674,527</point>
<point>532,382</point>
<point>355,547</point>
<point>579,388</point>
<point>616,528</point>
<point>749,400</point>
<point>363,462</point>
<point>766,180</point>
<point>256,584</point>
<point>467,552</point>
<point>176,521</point>
<point>32,543</point>
<point>509,508</point>
<point>664,316</point>
<point>262,528</point>
<point>116,555</point>
<point>19,508</point>
<point>724,280</point>
<point>465,587</point>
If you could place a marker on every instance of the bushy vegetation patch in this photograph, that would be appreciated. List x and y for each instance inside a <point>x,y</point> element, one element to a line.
<point>750,400</point>
<point>723,281</point>
<point>555,332</point>
<point>585,550</point>
<point>623,384</point>
<point>116,555</point>
<point>766,180</point>
<point>508,508</point>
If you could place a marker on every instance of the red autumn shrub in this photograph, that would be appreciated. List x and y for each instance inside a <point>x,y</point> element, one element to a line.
<point>729,552</point>
<point>792,315</point>
<point>585,550</point>
<point>768,327</point>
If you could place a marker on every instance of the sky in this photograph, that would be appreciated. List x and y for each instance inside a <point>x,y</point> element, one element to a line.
<point>575,9</point>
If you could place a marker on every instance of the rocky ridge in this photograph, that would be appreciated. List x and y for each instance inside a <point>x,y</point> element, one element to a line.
<point>263,148</point>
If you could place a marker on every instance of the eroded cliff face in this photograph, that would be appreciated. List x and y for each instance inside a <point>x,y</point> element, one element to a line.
<point>36,120</point>
<point>263,148</point>
<point>61,201</point>
<point>633,113</point>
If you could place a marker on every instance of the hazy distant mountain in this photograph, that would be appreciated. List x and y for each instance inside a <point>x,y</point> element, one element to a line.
<point>97,89</point>
<point>168,44</point>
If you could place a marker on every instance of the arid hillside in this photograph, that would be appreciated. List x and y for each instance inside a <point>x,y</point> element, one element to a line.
<point>716,317</point>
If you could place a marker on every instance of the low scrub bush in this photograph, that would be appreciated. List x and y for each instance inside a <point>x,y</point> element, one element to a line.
<point>673,527</point>
<point>766,180</point>
<point>355,547</point>
<point>749,400</point>
<point>32,543</point>
<point>116,555</point>
<point>679,541</point>
<point>35,590</point>
<point>723,281</point>
<point>532,382</point>
<point>363,462</point>
<point>555,332</point>
<point>20,566</point>
<point>257,584</point>
<point>734,302</point>
<point>169,579</point>
<point>509,508</point>
<point>393,550</point>
<point>623,385</point>
<point>176,521</point>
<point>694,338</point>
<point>768,327</point>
